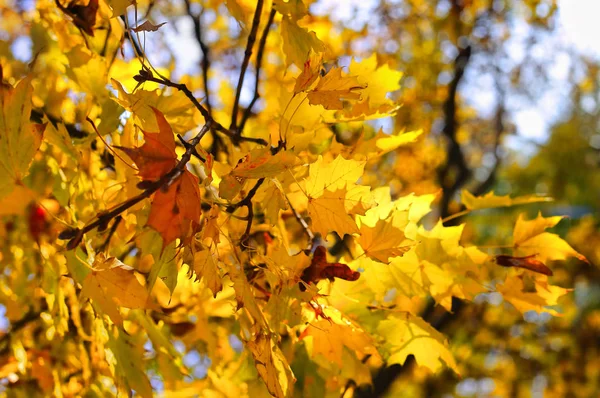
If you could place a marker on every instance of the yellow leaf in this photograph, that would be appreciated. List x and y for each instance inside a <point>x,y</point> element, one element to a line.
<point>490,200</point>
<point>310,73</point>
<point>19,138</point>
<point>382,241</point>
<point>273,200</point>
<point>333,88</point>
<point>328,213</point>
<point>130,363</point>
<point>205,267</point>
<point>111,286</point>
<point>293,8</point>
<point>529,238</point>
<point>119,6</point>
<point>410,335</point>
<point>176,108</point>
<point>333,175</point>
<point>330,336</point>
<point>298,42</point>
<point>286,268</point>
<point>378,81</point>
<point>260,163</point>
<point>544,295</point>
<point>272,366</point>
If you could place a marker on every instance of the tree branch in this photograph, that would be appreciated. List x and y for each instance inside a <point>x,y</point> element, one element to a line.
<point>205,52</point>
<point>259,58</point>
<point>245,62</point>
<point>456,160</point>
<point>207,117</point>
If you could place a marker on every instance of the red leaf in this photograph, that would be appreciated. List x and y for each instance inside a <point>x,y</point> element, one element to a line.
<point>527,262</point>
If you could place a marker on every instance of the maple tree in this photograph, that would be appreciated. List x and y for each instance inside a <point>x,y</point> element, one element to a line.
<point>150,216</point>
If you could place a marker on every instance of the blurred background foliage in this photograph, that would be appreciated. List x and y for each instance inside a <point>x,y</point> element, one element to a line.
<point>470,70</point>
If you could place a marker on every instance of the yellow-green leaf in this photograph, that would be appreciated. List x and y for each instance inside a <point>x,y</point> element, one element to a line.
<point>490,200</point>
<point>407,334</point>
<point>19,138</point>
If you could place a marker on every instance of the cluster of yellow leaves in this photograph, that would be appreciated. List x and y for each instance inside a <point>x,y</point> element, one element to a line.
<point>250,224</point>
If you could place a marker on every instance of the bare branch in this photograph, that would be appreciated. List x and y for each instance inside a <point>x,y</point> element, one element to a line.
<point>205,52</point>
<point>456,161</point>
<point>245,62</point>
<point>259,58</point>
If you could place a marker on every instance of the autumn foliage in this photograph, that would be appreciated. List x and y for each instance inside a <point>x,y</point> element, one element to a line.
<point>149,216</point>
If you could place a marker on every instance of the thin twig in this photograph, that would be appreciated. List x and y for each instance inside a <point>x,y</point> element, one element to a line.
<point>205,52</point>
<point>214,124</point>
<point>245,62</point>
<point>301,220</point>
<point>112,231</point>
<point>259,57</point>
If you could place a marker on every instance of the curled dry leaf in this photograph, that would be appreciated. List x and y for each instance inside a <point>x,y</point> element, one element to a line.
<point>320,269</point>
<point>147,26</point>
<point>526,262</point>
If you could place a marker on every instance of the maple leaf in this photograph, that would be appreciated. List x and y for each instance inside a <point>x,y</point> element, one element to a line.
<point>286,268</point>
<point>382,241</point>
<point>526,262</point>
<point>156,157</point>
<point>310,72</point>
<point>320,269</point>
<point>110,285</point>
<point>410,335</point>
<point>84,16</point>
<point>529,237</point>
<point>273,200</point>
<point>333,333</point>
<point>272,366</point>
<point>205,266</point>
<point>174,213</point>
<point>260,163</point>
<point>377,81</point>
<point>377,145</point>
<point>490,200</point>
<point>333,88</point>
<point>119,7</point>
<point>539,300</point>
<point>19,139</point>
<point>129,361</point>
<point>147,26</point>
<point>328,213</point>
<point>298,42</point>
<point>333,196</point>
<point>332,175</point>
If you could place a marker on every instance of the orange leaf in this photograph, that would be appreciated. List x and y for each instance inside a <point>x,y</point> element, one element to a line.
<point>157,156</point>
<point>176,211</point>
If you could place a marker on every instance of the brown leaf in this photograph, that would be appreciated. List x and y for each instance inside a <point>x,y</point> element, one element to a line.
<point>527,262</point>
<point>147,26</point>
<point>84,17</point>
<point>320,269</point>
